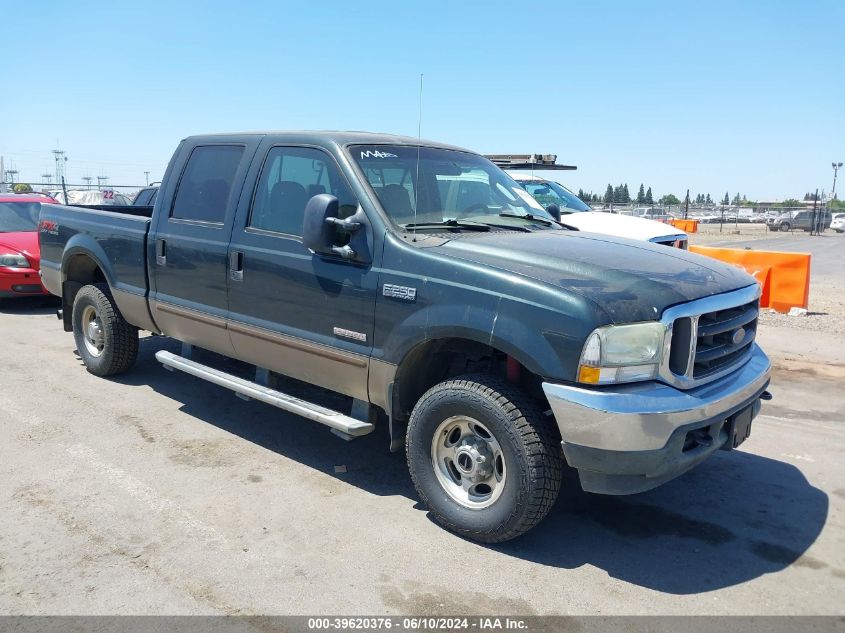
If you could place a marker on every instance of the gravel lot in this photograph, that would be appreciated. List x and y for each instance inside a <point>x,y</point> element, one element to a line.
<point>158,493</point>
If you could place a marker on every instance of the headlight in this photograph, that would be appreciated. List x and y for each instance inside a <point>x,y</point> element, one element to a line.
<point>622,353</point>
<point>13,260</point>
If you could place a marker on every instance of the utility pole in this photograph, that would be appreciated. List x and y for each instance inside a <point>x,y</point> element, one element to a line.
<point>87,180</point>
<point>836,167</point>
<point>61,161</point>
<point>10,174</point>
<point>147,176</point>
<point>45,179</point>
<point>686,206</point>
<point>101,180</point>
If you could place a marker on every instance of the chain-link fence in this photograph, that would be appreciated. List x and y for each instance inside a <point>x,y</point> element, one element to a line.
<point>86,193</point>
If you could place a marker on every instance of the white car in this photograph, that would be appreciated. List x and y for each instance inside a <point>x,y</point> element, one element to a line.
<point>577,213</point>
<point>838,222</point>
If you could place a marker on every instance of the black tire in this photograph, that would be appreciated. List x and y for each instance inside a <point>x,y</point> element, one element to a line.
<point>530,445</point>
<point>119,338</point>
<point>785,226</point>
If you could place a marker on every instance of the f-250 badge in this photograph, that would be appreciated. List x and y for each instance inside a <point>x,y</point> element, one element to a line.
<point>399,292</point>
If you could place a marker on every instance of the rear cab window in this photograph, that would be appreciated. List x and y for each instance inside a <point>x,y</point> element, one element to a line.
<point>206,183</point>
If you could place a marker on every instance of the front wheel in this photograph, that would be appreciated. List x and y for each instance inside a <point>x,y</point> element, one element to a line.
<point>785,226</point>
<point>106,343</point>
<point>483,458</point>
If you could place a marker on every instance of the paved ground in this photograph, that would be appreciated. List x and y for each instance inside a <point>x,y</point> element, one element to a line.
<point>828,250</point>
<point>158,493</point>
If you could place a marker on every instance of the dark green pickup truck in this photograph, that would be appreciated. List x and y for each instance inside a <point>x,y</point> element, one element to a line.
<point>423,283</point>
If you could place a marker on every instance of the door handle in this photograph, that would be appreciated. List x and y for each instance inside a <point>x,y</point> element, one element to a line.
<point>236,266</point>
<point>161,252</point>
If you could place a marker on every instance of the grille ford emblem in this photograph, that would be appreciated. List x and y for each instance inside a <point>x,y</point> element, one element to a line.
<point>738,336</point>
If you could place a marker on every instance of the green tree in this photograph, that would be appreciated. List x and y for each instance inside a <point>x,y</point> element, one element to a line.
<point>626,197</point>
<point>641,195</point>
<point>708,199</point>
<point>669,199</point>
<point>22,187</point>
<point>726,200</point>
<point>648,197</point>
<point>608,195</point>
<point>736,200</point>
<point>790,202</point>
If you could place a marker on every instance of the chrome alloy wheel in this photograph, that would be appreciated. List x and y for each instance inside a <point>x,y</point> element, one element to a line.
<point>468,462</point>
<point>92,331</point>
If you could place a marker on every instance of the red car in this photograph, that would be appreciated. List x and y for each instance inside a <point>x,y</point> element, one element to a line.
<point>19,251</point>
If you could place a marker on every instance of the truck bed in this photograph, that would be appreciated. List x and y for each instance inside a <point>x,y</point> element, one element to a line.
<point>139,210</point>
<point>115,236</point>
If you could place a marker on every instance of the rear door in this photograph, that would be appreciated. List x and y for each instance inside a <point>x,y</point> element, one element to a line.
<point>188,296</point>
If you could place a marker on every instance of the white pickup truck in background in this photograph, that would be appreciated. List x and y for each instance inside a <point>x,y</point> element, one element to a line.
<point>578,213</point>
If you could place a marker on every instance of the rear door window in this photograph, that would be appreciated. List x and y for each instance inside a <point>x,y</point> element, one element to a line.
<point>206,184</point>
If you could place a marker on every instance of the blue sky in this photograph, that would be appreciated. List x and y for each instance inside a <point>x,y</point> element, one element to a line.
<point>714,96</point>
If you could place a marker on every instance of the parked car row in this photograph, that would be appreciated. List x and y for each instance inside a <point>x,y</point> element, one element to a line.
<point>807,220</point>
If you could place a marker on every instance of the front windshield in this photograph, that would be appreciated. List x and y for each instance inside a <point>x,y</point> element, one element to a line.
<point>547,192</point>
<point>19,216</point>
<point>444,186</point>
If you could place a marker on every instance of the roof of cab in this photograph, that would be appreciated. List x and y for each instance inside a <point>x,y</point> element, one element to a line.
<point>339,138</point>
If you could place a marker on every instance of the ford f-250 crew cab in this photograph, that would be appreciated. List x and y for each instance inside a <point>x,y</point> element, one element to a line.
<point>423,283</point>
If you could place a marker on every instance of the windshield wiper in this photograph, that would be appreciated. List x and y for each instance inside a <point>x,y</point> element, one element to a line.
<point>543,221</point>
<point>448,224</point>
<point>528,216</point>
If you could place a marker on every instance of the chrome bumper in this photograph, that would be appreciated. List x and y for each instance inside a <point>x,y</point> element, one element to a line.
<point>629,438</point>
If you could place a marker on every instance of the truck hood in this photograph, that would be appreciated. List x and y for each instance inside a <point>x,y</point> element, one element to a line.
<point>629,280</point>
<point>619,225</point>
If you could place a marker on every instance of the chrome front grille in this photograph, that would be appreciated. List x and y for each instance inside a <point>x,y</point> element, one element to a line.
<point>709,337</point>
<point>723,336</point>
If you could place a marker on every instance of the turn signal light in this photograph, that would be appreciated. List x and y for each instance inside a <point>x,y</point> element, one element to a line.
<point>587,374</point>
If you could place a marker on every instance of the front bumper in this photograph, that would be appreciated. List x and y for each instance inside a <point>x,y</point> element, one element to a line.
<point>20,282</point>
<point>630,438</point>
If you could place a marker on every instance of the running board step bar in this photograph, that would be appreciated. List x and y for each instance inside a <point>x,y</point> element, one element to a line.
<point>334,419</point>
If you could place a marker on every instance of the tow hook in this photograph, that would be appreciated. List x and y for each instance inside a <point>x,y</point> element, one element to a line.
<point>766,396</point>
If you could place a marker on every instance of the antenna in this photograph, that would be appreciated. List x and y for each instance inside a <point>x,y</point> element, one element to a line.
<point>419,142</point>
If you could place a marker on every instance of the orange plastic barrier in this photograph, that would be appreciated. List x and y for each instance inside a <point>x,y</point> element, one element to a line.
<point>785,277</point>
<point>687,226</point>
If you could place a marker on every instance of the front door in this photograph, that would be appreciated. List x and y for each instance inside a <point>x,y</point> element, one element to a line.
<point>296,313</point>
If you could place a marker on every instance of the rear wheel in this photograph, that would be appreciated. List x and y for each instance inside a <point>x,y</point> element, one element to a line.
<point>483,458</point>
<point>785,226</point>
<point>106,343</point>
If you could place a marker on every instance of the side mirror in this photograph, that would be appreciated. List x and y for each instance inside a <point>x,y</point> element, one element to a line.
<point>554,211</point>
<point>320,225</point>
